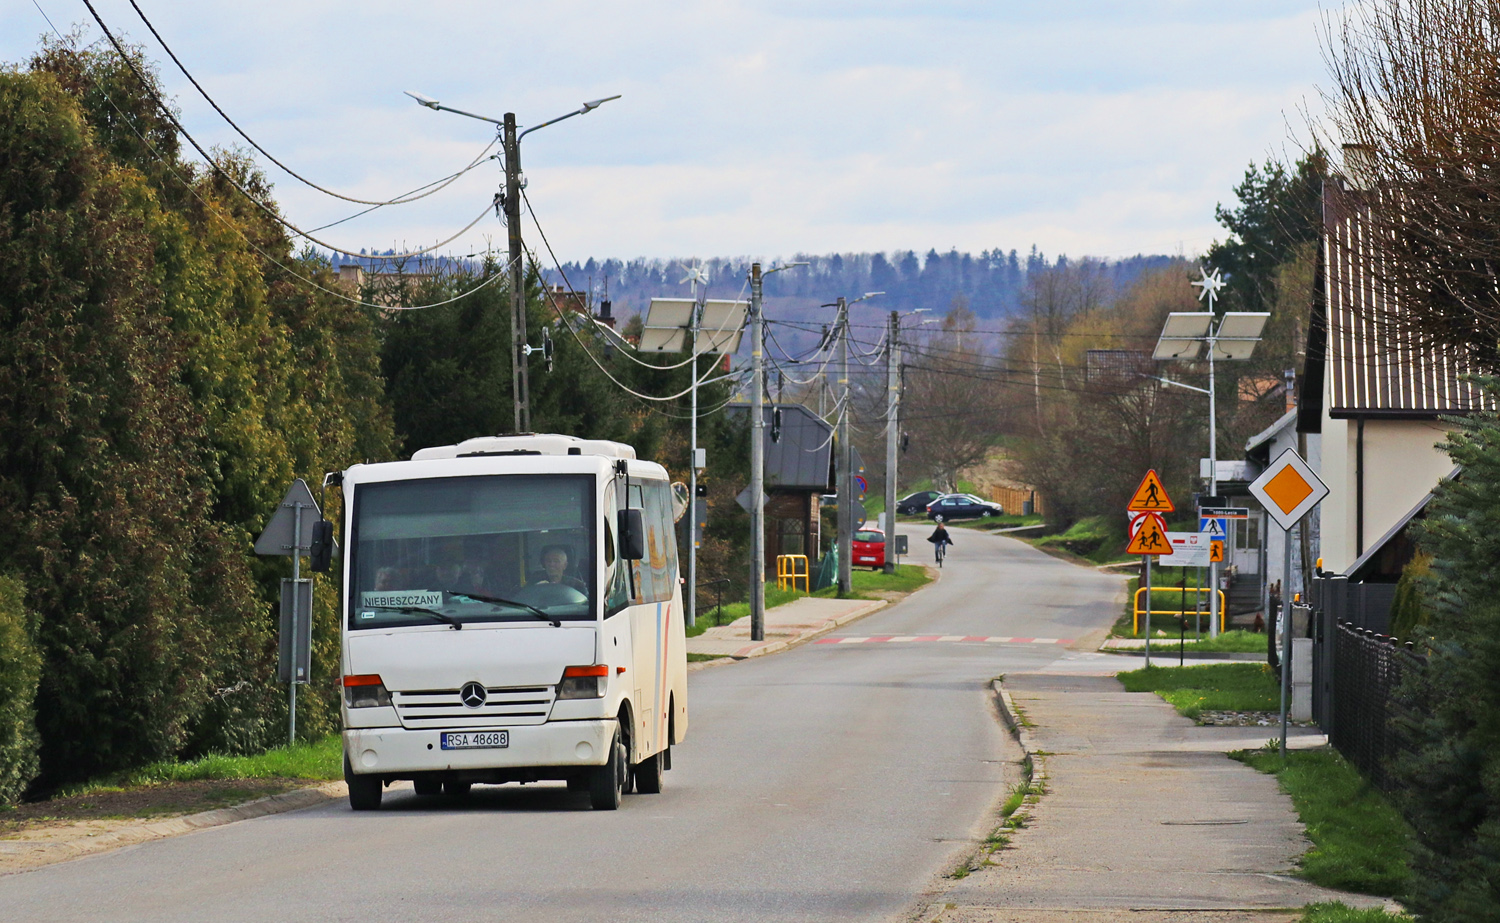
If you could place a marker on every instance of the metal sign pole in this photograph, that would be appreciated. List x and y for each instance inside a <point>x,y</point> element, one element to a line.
<point>291,734</point>
<point>1148,610</point>
<point>1285,622</point>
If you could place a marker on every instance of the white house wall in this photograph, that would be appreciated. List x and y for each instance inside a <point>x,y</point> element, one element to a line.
<point>1402,464</point>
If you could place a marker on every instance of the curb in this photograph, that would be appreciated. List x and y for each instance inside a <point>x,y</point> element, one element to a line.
<point>1012,717</point>
<point>50,852</point>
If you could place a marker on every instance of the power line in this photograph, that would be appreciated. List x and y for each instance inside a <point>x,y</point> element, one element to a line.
<point>213,209</point>
<point>171,117</point>
<point>562,315</point>
<point>399,200</point>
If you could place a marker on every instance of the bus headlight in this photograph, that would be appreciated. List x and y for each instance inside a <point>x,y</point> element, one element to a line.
<point>583,682</point>
<point>365,691</point>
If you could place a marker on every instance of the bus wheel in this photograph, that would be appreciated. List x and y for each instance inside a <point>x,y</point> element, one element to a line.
<point>427,787</point>
<point>648,775</point>
<point>607,781</point>
<point>364,791</point>
<point>457,789</point>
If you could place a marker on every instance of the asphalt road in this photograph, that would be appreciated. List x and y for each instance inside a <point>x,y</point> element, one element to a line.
<point>828,783</point>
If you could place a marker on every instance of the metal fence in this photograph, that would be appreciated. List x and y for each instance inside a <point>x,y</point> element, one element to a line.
<point>1366,699</point>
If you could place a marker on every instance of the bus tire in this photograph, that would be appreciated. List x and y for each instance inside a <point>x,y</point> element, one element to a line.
<point>427,787</point>
<point>648,775</point>
<point>457,789</point>
<point>608,781</point>
<point>364,791</point>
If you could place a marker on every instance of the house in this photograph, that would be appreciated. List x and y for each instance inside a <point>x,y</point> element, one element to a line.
<point>1372,401</point>
<point>799,470</point>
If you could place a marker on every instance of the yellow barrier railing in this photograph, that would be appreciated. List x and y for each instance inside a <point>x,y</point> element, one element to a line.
<point>1136,624</point>
<point>787,572</point>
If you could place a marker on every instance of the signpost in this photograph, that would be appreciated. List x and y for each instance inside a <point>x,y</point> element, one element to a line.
<point>290,532</point>
<point>1149,537</point>
<point>1289,489</point>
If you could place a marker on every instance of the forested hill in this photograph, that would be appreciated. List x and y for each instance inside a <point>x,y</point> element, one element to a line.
<point>992,282</point>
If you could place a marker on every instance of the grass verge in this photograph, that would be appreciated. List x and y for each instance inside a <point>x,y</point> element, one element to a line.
<point>1236,641</point>
<point>1209,687</point>
<point>1342,913</point>
<point>1360,842</point>
<point>322,760</point>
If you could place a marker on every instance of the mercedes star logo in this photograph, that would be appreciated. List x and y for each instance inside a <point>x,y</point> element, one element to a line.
<point>472,695</point>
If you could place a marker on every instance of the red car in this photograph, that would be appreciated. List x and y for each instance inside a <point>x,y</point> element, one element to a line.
<point>869,548</point>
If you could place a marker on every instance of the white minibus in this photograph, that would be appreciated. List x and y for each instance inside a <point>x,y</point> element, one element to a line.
<point>511,613</point>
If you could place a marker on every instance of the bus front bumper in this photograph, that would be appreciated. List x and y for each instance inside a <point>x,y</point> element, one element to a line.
<point>392,751</point>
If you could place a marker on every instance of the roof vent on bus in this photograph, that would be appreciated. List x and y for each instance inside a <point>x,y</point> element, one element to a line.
<point>526,444</point>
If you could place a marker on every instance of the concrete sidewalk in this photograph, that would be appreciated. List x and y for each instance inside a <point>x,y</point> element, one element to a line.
<point>797,621</point>
<point>1144,818</point>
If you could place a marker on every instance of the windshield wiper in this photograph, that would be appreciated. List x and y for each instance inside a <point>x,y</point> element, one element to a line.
<point>419,610</point>
<point>509,602</point>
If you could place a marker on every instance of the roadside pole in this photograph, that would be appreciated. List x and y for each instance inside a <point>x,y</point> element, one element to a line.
<point>757,462</point>
<point>691,603</point>
<point>1213,490</point>
<point>519,386</point>
<point>290,533</point>
<point>1288,489</point>
<point>892,407</point>
<point>1148,611</point>
<point>1285,623</point>
<point>846,460</point>
<point>1148,535</point>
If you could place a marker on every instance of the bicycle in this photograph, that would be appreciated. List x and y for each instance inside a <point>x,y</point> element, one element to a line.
<point>939,549</point>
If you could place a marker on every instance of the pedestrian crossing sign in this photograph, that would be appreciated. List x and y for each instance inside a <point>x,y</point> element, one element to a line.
<point>1213,526</point>
<point>1150,538</point>
<point>1151,496</point>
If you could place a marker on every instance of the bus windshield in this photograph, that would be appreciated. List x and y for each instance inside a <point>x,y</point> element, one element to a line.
<point>473,549</point>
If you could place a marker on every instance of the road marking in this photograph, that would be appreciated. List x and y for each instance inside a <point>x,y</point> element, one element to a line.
<point>944,638</point>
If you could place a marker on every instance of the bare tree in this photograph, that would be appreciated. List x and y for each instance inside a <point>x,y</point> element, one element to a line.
<point>950,404</point>
<point>1416,98</point>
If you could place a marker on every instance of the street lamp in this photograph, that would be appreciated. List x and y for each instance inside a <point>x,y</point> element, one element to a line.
<point>892,436</point>
<point>520,387</point>
<point>758,450</point>
<point>1192,335</point>
<point>846,453</point>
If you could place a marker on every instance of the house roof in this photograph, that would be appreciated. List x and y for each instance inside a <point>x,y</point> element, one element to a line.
<point>1263,438</point>
<point>1373,370</point>
<point>802,458</point>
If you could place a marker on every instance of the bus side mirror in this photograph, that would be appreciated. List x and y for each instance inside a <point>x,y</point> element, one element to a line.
<point>632,534</point>
<point>320,555</point>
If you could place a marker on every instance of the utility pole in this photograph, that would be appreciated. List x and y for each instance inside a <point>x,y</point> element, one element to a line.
<point>846,460</point>
<point>691,603</point>
<point>757,462</point>
<point>892,406</point>
<point>519,386</point>
<point>1213,489</point>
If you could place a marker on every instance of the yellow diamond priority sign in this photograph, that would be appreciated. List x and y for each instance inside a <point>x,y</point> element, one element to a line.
<point>1289,489</point>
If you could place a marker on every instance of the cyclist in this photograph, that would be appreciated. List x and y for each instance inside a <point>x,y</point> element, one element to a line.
<point>940,540</point>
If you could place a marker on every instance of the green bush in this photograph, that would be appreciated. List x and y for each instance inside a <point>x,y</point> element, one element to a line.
<point>1451,776</point>
<point>20,669</point>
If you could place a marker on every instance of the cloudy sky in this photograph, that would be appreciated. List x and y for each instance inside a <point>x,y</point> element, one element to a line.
<point>760,127</point>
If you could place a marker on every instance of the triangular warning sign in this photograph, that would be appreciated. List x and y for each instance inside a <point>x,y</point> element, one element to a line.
<point>1151,539</point>
<point>1216,552</point>
<point>1151,496</point>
